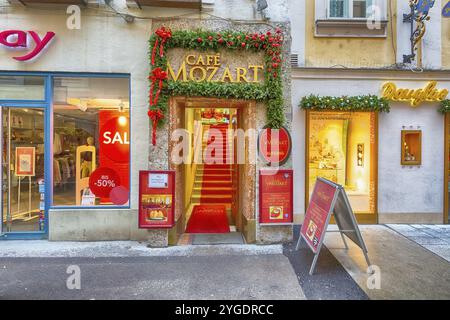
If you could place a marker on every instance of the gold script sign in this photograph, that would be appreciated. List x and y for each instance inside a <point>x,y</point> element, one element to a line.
<point>208,67</point>
<point>414,96</point>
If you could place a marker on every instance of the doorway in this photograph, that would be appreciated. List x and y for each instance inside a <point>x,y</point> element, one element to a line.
<point>211,177</point>
<point>22,169</point>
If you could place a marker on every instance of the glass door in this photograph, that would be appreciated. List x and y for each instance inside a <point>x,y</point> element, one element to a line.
<point>22,169</point>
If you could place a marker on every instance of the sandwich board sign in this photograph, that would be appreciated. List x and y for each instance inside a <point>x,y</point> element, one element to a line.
<point>329,198</point>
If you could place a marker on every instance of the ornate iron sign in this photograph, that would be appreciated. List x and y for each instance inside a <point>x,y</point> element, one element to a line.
<point>417,17</point>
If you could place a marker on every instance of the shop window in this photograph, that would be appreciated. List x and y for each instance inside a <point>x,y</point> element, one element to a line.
<point>91,141</point>
<point>411,148</point>
<point>342,148</point>
<point>22,88</point>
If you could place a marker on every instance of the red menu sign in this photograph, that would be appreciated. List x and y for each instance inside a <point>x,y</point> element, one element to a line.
<point>317,214</point>
<point>276,196</point>
<point>156,199</point>
<point>274,145</point>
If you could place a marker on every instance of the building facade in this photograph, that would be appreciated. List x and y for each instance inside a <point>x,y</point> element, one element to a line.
<point>91,95</point>
<point>394,165</point>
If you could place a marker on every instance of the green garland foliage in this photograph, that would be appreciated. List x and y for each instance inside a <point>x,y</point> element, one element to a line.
<point>271,91</point>
<point>445,106</point>
<point>345,103</point>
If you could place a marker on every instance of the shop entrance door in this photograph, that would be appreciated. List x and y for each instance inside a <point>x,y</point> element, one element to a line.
<point>22,170</point>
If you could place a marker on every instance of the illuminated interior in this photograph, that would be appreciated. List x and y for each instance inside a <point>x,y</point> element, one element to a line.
<point>340,149</point>
<point>215,183</point>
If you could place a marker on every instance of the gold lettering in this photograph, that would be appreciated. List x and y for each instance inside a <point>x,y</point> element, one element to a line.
<point>213,73</point>
<point>415,96</point>
<point>203,72</point>
<point>209,60</point>
<point>181,71</point>
<point>217,60</point>
<point>189,61</point>
<point>240,74</point>
<point>255,72</point>
<point>227,74</point>
<point>200,60</point>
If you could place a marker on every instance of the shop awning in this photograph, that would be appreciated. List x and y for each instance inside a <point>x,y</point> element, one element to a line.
<point>184,4</point>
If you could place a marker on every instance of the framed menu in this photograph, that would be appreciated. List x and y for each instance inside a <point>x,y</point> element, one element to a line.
<point>156,199</point>
<point>276,196</point>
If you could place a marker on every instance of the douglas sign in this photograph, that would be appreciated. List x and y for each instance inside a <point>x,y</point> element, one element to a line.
<point>28,41</point>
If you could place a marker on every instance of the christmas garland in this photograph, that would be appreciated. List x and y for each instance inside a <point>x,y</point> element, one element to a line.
<point>271,91</point>
<point>445,106</point>
<point>345,103</point>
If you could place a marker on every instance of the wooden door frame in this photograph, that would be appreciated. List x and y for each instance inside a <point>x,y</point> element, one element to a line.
<point>365,218</point>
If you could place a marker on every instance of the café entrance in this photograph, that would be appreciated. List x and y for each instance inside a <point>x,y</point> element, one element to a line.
<point>215,173</point>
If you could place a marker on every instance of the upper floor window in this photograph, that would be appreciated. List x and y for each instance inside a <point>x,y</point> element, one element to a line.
<point>349,8</point>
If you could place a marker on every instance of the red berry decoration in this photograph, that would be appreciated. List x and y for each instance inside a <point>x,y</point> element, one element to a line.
<point>243,44</point>
<point>278,30</point>
<point>220,40</point>
<point>269,33</point>
<point>275,65</point>
<point>264,46</point>
<point>199,40</point>
<point>275,75</point>
<point>210,38</point>
<point>256,45</point>
<point>247,37</point>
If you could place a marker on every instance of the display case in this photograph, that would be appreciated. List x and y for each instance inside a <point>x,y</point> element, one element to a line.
<point>411,154</point>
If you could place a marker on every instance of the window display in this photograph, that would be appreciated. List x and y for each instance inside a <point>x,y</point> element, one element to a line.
<point>411,148</point>
<point>337,152</point>
<point>91,138</point>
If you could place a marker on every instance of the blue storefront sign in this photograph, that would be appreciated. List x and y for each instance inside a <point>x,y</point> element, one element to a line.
<point>424,6</point>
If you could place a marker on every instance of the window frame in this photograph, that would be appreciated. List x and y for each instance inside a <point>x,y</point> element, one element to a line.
<point>349,10</point>
<point>47,105</point>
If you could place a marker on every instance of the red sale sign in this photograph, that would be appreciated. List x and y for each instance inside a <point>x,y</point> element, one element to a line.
<point>114,141</point>
<point>317,215</point>
<point>102,181</point>
<point>276,196</point>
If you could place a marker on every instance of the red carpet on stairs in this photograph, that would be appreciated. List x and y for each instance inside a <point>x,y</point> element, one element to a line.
<point>208,219</point>
<point>217,176</point>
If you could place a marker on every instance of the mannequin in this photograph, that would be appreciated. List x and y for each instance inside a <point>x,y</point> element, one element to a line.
<point>87,159</point>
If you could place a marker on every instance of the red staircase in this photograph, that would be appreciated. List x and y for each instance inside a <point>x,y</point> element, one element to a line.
<point>213,183</point>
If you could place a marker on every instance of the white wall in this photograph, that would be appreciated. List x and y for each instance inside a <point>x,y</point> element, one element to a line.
<point>411,189</point>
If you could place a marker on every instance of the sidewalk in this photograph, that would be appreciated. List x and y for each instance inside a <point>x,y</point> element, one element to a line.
<point>408,270</point>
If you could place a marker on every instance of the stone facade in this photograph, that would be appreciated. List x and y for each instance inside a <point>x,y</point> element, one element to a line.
<point>159,155</point>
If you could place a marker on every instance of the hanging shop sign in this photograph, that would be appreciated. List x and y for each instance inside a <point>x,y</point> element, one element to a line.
<point>25,161</point>
<point>23,40</point>
<point>414,96</point>
<point>329,198</point>
<point>276,196</point>
<point>209,67</point>
<point>156,199</point>
<point>446,10</point>
<point>274,145</point>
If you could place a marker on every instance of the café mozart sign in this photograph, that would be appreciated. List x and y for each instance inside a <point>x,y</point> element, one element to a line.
<point>430,93</point>
<point>211,68</point>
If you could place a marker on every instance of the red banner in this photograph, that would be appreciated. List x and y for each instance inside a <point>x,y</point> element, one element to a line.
<point>276,196</point>
<point>156,199</point>
<point>114,149</point>
<point>316,217</point>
